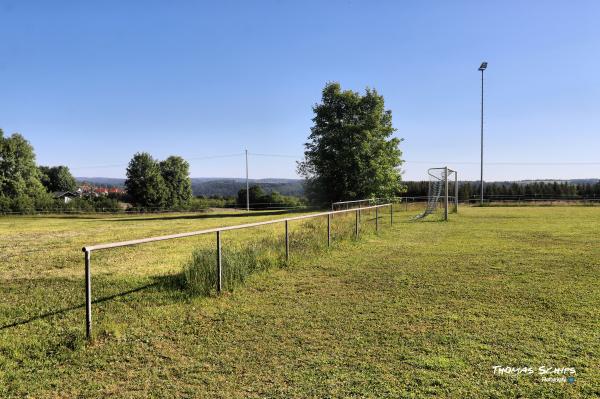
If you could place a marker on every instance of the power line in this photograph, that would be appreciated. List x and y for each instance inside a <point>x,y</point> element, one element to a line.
<point>216,156</point>
<point>298,157</point>
<point>189,159</point>
<point>455,163</point>
<point>275,155</point>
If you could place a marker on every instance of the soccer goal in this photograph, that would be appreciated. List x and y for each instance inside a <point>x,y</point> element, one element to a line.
<point>438,192</point>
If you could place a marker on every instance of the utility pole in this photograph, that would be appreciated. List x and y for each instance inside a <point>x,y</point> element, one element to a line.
<point>247,185</point>
<point>482,68</point>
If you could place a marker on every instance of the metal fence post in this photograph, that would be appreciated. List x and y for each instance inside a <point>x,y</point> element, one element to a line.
<point>328,230</point>
<point>446,193</point>
<point>377,220</point>
<point>287,242</point>
<point>219,266</point>
<point>88,295</point>
<point>356,225</point>
<point>455,191</point>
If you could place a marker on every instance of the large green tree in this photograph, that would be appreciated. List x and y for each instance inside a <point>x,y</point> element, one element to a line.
<point>145,184</point>
<point>57,178</point>
<point>176,175</point>
<point>350,153</point>
<point>19,175</point>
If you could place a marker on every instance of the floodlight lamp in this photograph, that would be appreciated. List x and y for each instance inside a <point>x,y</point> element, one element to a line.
<point>483,66</point>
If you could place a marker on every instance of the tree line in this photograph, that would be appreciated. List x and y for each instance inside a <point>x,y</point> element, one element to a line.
<point>27,187</point>
<point>24,186</point>
<point>151,185</point>
<point>513,190</point>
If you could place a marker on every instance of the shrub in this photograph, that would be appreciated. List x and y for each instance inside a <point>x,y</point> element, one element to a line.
<point>261,200</point>
<point>238,262</point>
<point>5,204</point>
<point>23,204</point>
<point>106,204</point>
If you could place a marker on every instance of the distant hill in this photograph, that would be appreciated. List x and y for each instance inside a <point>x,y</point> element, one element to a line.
<point>220,186</point>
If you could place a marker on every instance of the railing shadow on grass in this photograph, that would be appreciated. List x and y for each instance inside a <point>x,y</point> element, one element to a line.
<point>164,282</point>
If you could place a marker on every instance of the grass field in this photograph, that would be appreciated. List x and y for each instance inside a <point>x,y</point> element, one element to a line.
<point>425,309</point>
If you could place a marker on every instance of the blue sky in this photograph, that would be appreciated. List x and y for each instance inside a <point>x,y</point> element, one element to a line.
<point>91,83</point>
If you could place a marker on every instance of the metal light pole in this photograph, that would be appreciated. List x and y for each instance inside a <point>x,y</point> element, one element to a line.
<point>482,68</point>
<point>446,193</point>
<point>247,186</point>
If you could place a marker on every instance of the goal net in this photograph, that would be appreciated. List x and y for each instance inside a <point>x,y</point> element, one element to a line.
<point>438,196</point>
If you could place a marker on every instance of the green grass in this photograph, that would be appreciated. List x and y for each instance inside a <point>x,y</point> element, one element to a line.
<point>425,309</point>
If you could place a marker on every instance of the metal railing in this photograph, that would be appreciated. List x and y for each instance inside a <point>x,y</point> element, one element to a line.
<point>218,230</point>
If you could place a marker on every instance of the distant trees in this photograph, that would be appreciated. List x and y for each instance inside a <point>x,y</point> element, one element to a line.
<point>513,190</point>
<point>261,200</point>
<point>257,195</point>
<point>350,153</point>
<point>20,186</point>
<point>57,178</point>
<point>153,184</point>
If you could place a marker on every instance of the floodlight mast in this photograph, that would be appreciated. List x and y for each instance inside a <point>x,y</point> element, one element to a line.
<point>247,185</point>
<point>482,68</point>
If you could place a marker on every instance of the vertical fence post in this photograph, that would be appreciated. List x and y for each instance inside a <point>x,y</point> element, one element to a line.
<point>219,265</point>
<point>456,191</point>
<point>391,213</point>
<point>328,229</point>
<point>356,224</point>
<point>88,295</point>
<point>287,242</point>
<point>446,193</point>
<point>377,219</point>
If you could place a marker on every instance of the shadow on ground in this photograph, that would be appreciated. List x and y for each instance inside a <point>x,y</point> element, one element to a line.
<point>171,283</point>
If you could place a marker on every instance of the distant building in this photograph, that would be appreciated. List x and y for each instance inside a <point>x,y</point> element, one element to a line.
<point>86,190</point>
<point>101,191</point>
<point>116,190</point>
<point>65,196</point>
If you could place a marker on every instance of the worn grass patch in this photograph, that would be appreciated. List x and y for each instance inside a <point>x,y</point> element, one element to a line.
<point>425,309</point>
